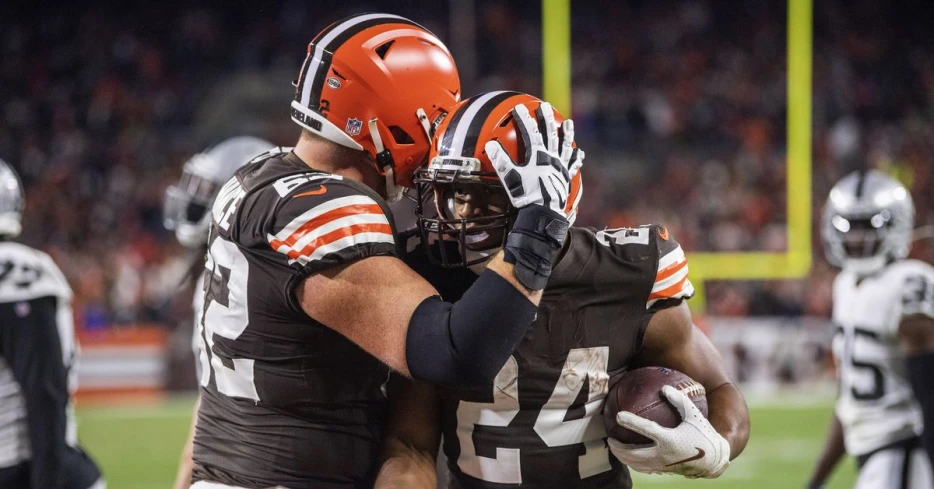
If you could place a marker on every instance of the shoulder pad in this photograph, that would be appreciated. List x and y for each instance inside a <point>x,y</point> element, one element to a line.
<point>916,288</point>
<point>317,216</point>
<point>671,275</point>
<point>652,246</point>
<point>26,273</point>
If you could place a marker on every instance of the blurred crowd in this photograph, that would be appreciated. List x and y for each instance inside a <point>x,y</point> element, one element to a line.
<point>680,106</point>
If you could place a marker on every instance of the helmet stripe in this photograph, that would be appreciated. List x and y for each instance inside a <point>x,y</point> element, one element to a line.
<point>446,142</point>
<point>468,121</point>
<point>329,42</point>
<point>860,184</point>
<point>473,132</point>
<point>303,75</point>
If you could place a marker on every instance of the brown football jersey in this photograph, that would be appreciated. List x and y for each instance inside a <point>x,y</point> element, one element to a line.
<point>286,400</point>
<point>540,423</point>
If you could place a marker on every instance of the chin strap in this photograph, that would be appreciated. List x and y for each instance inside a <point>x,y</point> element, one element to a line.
<point>385,164</point>
<point>423,120</point>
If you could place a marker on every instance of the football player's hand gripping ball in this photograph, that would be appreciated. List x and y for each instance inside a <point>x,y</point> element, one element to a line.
<point>544,178</point>
<point>693,449</point>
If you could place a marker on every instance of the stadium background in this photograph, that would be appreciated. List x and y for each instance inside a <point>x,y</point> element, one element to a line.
<point>680,105</point>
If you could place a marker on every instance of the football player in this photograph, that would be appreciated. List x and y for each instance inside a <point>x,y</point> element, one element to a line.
<point>614,301</point>
<point>307,303</point>
<point>38,436</point>
<point>884,343</point>
<point>185,211</point>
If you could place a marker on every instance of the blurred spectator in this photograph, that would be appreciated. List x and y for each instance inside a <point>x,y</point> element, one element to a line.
<point>680,105</point>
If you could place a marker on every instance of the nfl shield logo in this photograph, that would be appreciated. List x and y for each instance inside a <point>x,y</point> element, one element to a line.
<point>353,127</point>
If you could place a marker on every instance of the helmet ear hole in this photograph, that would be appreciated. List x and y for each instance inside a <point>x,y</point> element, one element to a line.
<point>400,136</point>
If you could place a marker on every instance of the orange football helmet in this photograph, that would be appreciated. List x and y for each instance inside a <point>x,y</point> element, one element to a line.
<point>458,157</point>
<point>378,83</point>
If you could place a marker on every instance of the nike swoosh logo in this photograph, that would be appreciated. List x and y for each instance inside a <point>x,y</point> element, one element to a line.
<point>318,191</point>
<point>700,455</point>
<point>663,233</point>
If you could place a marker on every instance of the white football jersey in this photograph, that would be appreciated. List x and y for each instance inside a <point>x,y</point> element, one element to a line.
<point>27,274</point>
<point>876,405</point>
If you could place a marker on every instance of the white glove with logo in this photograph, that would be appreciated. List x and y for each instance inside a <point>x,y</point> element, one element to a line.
<point>544,177</point>
<point>693,449</point>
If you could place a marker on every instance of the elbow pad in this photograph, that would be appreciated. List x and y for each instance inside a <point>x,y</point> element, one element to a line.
<point>466,343</point>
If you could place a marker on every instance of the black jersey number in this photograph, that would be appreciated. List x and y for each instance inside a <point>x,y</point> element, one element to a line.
<point>20,275</point>
<point>918,295</point>
<point>583,365</point>
<point>225,316</point>
<point>863,366</point>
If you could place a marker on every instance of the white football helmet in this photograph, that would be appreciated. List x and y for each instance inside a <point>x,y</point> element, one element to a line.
<point>868,222</point>
<point>186,205</point>
<point>11,202</point>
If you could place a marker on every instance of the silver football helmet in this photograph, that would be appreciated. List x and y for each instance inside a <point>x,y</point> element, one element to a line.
<point>868,221</point>
<point>11,202</point>
<point>186,206</point>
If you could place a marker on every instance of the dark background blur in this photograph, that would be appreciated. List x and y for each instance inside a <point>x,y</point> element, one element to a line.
<point>680,106</point>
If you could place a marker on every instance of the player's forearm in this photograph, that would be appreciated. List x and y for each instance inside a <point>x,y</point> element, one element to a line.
<point>729,416</point>
<point>406,468</point>
<point>508,272</point>
<point>466,343</point>
<point>832,453</point>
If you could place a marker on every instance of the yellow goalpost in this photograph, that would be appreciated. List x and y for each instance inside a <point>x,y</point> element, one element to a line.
<point>795,262</point>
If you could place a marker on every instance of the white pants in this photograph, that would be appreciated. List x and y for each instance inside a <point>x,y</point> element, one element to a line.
<point>888,469</point>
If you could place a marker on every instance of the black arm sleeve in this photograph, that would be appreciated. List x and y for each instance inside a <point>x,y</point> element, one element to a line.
<point>921,376</point>
<point>466,343</point>
<point>30,343</point>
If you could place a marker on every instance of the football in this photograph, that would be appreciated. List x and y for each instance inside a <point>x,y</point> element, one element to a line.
<point>639,392</point>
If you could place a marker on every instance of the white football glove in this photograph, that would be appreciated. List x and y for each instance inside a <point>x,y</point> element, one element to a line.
<point>544,177</point>
<point>693,449</point>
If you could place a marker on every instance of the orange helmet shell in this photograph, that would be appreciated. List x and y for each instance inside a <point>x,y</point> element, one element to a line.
<point>377,72</point>
<point>460,139</point>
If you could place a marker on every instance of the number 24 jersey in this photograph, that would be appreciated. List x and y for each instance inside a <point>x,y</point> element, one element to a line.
<point>540,424</point>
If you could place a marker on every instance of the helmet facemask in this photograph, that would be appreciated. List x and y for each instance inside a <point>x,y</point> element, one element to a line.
<point>865,229</point>
<point>473,212</point>
<point>186,208</point>
<point>861,239</point>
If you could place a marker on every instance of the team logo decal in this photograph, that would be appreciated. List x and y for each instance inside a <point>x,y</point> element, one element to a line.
<point>334,83</point>
<point>353,126</point>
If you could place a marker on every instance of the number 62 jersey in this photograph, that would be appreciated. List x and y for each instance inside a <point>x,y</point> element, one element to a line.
<point>540,423</point>
<point>285,400</point>
<point>876,406</point>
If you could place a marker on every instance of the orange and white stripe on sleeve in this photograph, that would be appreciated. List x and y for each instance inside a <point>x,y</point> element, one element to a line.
<point>332,226</point>
<point>671,280</point>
